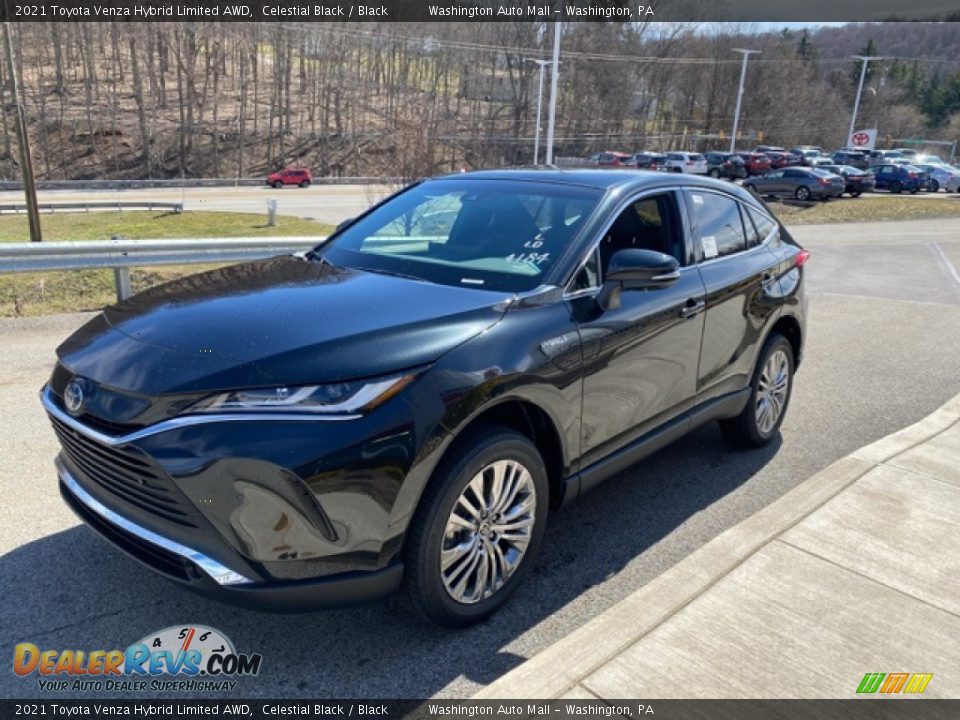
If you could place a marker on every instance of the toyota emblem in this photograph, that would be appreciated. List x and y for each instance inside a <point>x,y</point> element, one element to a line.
<point>73,396</point>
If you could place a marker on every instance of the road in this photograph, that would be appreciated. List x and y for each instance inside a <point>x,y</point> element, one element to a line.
<point>324,203</point>
<point>881,354</point>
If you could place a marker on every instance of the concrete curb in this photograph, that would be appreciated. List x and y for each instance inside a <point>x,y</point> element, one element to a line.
<point>556,670</point>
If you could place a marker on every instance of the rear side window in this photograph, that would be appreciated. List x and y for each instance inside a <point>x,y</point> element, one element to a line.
<point>719,225</point>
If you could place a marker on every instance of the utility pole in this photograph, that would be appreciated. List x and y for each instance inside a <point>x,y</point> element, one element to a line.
<point>863,76</point>
<point>743,76</point>
<point>23,140</point>
<point>554,74</point>
<point>536,132</point>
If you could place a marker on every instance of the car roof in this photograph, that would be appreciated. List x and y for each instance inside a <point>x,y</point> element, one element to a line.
<point>599,179</point>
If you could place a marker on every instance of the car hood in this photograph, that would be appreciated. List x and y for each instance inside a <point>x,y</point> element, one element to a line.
<point>281,321</point>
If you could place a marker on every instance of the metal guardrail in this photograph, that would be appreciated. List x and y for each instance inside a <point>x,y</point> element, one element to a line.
<point>121,255</point>
<point>87,206</point>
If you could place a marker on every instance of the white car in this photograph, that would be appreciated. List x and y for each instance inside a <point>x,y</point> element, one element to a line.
<point>685,162</point>
<point>941,176</point>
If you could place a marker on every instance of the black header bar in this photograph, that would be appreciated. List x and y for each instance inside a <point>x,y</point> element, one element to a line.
<point>478,10</point>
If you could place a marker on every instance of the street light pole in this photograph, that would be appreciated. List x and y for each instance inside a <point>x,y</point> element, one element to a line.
<point>743,75</point>
<point>552,119</point>
<point>863,76</point>
<point>536,133</point>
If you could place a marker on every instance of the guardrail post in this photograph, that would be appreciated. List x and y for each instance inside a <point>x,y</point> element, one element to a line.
<point>271,212</point>
<point>121,278</point>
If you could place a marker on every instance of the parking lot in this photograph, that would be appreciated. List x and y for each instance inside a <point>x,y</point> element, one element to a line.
<point>881,354</point>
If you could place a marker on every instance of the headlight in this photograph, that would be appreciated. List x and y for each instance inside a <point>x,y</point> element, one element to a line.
<point>344,398</point>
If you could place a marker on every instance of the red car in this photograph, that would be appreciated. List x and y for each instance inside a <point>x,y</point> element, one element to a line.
<point>612,158</point>
<point>290,176</point>
<point>757,163</point>
<point>781,159</point>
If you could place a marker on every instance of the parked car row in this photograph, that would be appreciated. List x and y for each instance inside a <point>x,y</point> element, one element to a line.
<point>769,169</point>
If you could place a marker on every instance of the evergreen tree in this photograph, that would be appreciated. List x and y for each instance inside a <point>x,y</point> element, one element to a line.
<point>806,50</point>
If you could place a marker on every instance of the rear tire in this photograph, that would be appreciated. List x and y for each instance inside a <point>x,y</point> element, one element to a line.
<point>460,522</point>
<point>896,187</point>
<point>802,193</point>
<point>933,186</point>
<point>305,184</point>
<point>278,184</point>
<point>855,194</point>
<point>770,390</point>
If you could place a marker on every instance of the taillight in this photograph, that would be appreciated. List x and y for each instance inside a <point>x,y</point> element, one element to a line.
<point>913,174</point>
<point>824,181</point>
<point>801,258</point>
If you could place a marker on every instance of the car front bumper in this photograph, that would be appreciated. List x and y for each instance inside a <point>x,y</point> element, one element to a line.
<point>207,576</point>
<point>272,513</point>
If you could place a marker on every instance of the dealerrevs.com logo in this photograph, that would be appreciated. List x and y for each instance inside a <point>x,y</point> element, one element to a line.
<point>181,658</point>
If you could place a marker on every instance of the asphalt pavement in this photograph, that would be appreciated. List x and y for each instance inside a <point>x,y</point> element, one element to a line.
<point>881,354</point>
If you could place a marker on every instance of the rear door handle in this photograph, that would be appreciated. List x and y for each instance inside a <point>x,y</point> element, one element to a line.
<point>692,308</point>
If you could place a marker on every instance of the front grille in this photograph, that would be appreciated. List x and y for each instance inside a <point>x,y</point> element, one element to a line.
<point>124,475</point>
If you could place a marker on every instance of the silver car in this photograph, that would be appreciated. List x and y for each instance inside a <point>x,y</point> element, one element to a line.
<point>799,182</point>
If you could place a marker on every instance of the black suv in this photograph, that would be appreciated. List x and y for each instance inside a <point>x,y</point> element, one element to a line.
<point>726,165</point>
<point>405,403</point>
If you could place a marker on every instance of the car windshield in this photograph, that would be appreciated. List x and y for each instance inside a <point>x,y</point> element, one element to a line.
<point>480,233</point>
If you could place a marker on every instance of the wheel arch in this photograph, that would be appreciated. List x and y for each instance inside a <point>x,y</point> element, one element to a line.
<point>533,422</point>
<point>789,327</point>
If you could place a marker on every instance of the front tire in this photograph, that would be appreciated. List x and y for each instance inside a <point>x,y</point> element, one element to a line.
<point>305,184</point>
<point>896,187</point>
<point>770,390</point>
<point>478,527</point>
<point>802,193</point>
<point>278,184</point>
<point>934,186</point>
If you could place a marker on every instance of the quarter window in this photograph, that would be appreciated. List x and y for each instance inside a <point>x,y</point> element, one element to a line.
<point>764,224</point>
<point>719,225</point>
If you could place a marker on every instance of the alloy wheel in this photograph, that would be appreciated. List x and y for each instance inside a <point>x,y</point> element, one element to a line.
<point>488,531</point>
<point>772,389</point>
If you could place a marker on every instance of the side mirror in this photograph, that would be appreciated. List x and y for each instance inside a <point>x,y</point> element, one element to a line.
<point>635,270</point>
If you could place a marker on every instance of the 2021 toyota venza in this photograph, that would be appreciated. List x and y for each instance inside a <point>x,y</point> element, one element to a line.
<point>405,403</point>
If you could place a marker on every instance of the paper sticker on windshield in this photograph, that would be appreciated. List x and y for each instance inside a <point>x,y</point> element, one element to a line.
<point>709,243</point>
<point>697,199</point>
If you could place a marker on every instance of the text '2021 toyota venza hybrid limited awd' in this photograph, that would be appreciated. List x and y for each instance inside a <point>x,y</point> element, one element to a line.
<point>405,403</point>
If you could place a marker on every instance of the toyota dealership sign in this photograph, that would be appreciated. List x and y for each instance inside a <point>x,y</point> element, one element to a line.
<point>863,139</point>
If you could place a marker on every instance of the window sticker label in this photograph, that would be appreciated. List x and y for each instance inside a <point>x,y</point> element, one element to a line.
<point>709,243</point>
<point>697,199</point>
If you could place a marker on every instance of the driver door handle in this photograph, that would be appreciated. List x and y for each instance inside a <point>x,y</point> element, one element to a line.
<point>693,308</point>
